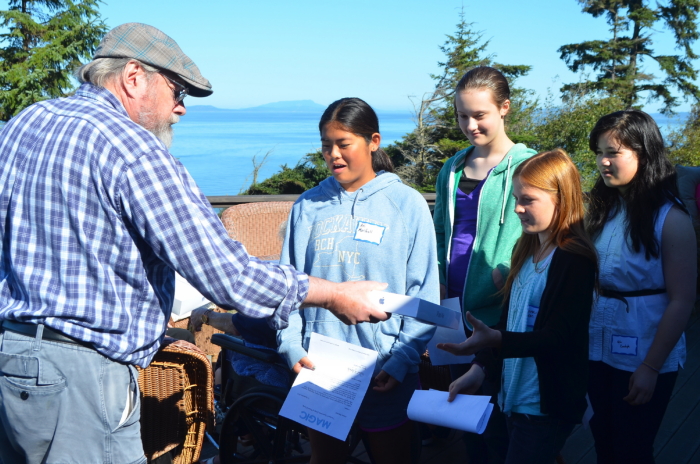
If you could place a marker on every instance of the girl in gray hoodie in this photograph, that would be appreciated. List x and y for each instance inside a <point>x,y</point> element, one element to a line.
<point>364,223</point>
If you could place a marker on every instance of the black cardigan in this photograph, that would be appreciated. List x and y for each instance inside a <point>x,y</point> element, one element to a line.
<point>559,340</point>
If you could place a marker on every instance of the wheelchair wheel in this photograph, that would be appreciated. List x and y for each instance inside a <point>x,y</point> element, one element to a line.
<point>274,439</point>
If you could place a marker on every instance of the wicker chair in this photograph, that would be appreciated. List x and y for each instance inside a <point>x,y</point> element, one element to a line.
<point>177,404</point>
<point>257,226</point>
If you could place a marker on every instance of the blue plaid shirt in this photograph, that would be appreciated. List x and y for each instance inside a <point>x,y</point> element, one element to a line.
<point>95,214</point>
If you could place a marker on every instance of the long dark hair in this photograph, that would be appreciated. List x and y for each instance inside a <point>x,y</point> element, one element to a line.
<point>356,116</point>
<point>651,187</point>
<point>553,172</point>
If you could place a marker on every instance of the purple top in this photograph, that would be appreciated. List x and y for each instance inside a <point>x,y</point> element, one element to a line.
<point>463,233</point>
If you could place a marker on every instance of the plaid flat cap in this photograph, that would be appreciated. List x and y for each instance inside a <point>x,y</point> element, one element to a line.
<point>151,46</point>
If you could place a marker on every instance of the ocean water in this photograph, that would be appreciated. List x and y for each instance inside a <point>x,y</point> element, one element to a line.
<point>217,146</point>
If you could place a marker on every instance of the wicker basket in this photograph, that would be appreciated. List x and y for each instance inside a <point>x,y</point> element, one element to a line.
<point>177,404</point>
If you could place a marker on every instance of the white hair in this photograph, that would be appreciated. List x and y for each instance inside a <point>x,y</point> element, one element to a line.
<point>100,71</point>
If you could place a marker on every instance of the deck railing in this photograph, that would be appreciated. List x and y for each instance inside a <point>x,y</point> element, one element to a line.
<point>230,200</point>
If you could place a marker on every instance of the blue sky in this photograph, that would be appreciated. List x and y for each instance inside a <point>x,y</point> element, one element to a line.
<point>256,52</point>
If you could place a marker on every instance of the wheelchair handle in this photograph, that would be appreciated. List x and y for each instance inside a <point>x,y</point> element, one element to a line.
<point>232,343</point>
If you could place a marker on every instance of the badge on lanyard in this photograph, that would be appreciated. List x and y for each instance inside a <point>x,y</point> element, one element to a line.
<point>624,345</point>
<point>368,232</point>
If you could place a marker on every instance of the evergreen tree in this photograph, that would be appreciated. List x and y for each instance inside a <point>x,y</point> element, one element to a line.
<point>619,60</point>
<point>307,174</point>
<point>464,50</point>
<point>44,42</point>
<point>437,135</point>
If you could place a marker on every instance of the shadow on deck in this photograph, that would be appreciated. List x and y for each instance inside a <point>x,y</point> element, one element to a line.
<point>678,441</point>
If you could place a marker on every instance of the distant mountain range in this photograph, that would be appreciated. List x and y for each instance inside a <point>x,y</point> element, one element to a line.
<point>295,106</point>
<point>309,106</point>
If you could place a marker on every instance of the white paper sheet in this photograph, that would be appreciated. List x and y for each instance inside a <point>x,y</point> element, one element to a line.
<point>467,412</point>
<point>327,399</point>
<point>439,357</point>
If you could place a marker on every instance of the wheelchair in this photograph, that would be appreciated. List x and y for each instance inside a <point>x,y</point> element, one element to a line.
<point>246,407</point>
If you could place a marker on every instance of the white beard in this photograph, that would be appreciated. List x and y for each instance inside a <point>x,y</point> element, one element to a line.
<point>162,129</point>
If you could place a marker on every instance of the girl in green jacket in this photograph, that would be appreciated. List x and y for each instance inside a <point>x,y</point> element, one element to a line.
<point>475,225</point>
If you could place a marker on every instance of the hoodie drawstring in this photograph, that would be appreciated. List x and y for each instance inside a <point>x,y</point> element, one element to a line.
<point>352,210</point>
<point>505,192</point>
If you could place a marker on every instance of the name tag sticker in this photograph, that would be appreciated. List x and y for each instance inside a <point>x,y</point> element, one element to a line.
<point>531,316</point>
<point>624,345</point>
<point>370,233</point>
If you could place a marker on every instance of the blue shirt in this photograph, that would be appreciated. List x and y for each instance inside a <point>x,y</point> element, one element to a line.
<point>621,335</point>
<point>521,385</point>
<point>95,214</point>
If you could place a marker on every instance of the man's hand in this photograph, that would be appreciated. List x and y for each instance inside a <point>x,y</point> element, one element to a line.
<point>642,385</point>
<point>304,362</point>
<point>468,384</point>
<point>482,337</point>
<point>348,301</point>
<point>383,382</point>
<point>196,318</point>
<point>220,321</point>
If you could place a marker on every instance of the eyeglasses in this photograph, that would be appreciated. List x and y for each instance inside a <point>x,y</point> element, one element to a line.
<point>179,92</point>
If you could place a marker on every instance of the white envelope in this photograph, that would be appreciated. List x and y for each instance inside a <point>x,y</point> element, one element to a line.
<point>439,357</point>
<point>187,299</point>
<point>417,308</point>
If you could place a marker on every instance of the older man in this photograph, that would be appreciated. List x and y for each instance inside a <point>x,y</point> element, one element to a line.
<point>95,215</point>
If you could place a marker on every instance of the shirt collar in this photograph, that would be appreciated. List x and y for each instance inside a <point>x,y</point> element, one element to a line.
<point>101,95</point>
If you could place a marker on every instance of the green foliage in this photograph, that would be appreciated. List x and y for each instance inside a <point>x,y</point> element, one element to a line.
<point>437,135</point>
<point>684,143</point>
<point>308,173</point>
<point>44,42</point>
<point>568,126</point>
<point>449,147</point>
<point>619,60</point>
<point>464,50</point>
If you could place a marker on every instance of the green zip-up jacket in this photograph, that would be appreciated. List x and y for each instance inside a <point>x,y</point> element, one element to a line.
<point>497,229</point>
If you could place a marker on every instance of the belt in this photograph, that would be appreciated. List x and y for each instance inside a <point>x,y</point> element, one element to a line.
<point>28,329</point>
<point>610,293</point>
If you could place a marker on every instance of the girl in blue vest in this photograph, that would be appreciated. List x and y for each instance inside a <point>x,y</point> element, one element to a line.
<point>538,352</point>
<point>397,246</point>
<point>647,251</point>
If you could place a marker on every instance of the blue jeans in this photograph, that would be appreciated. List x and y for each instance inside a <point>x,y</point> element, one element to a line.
<point>535,439</point>
<point>61,402</point>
